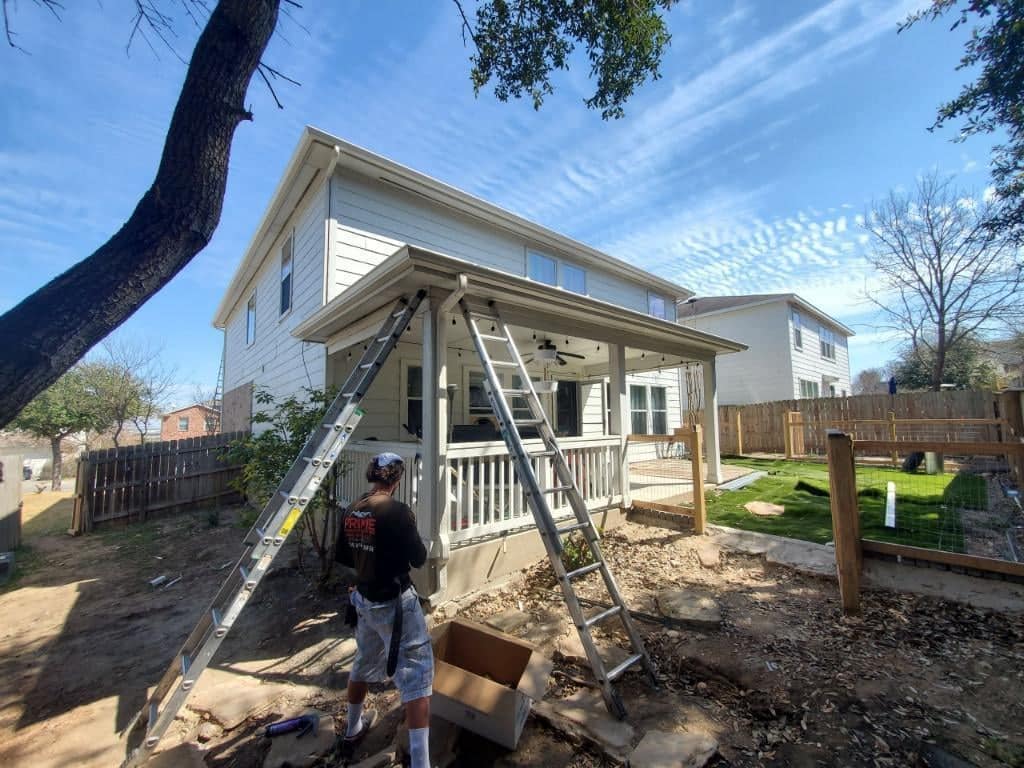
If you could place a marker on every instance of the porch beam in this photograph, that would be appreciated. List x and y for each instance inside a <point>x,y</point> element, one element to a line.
<point>619,419</point>
<point>713,456</point>
<point>433,507</point>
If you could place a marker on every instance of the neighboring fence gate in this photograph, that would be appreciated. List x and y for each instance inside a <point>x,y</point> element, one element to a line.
<point>666,475</point>
<point>135,482</point>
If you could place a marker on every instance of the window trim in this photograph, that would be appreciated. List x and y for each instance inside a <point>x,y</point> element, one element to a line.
<point>649,409</point>
<point>825,346</point>
<point>798,329</point>
<point>283,313</point>
<point>813,387</point>
<point>404,398</point>
<point>250,339</point>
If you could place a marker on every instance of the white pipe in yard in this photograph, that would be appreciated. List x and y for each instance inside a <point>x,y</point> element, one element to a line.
<point>890,505</point>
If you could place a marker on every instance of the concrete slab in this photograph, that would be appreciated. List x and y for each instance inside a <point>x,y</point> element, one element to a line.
<point>658,749</point>
<point>690,606</point>
<point>803,556</point>
<point>231,699</point>
<point>571,648</point>
<point>509,620</point>
<point>294,751</point>
<point>586,708</point>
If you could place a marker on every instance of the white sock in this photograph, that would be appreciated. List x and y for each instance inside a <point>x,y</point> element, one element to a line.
<point>419,748</point>
<point>355,719</point>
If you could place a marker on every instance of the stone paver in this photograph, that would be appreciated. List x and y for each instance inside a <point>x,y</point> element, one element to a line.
<point>292,751</point>
<point>586,708</point>
<point>509,620</point>
<point>707,552</point>
<point>690,606</point>
<point>764,508</point>
<point>181,756</point>
<point>658,749</point>
<point>230,699</point>
<point>571,648</point>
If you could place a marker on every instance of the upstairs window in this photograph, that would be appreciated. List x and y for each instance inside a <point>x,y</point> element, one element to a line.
<point>828,343</point>
<point>660,307</point>
<point>798,333</point>
<point>574,278</point>
<point>286,274</point>
<point>183,423</point>
<point>542,268</point>
<point>250,320</point>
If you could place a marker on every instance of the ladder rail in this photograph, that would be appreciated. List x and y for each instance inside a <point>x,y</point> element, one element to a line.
<point>280,515</point>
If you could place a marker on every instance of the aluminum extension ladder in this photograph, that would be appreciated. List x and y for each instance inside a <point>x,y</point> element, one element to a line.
<point>537,497</point>
<point>264,542</point>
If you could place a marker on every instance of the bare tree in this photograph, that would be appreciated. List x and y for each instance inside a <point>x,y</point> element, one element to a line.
<point>949,274</point>
<point>693,381</point>
<point>870,381</point>
<point>142,363</point>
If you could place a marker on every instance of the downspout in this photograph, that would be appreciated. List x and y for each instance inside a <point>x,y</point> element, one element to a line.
<point>439,547</point>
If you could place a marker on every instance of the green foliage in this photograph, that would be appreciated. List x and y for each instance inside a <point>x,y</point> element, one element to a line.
<point>992,102</point>
<point>70,405</point>
<point>521,42</point>
<point>576,552</point>
<point>267,456</point>
<point>965,368</point>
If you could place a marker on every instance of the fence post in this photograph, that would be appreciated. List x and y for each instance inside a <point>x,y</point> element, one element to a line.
<point>842,480</point>
<point>739,432</point>
<point>700,512</point>
<point>787,433</point>
<point>892,436</point>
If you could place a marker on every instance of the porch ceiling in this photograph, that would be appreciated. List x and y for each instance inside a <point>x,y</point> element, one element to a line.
<point>356,313</point>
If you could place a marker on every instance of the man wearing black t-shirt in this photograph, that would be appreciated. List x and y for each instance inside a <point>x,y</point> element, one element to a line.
<point>378,538</point>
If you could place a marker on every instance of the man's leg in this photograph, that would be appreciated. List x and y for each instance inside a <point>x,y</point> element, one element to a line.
<point>356,696</point>
<point>417,717</point>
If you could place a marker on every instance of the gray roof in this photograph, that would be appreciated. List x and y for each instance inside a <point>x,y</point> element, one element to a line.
<point>706,305</point>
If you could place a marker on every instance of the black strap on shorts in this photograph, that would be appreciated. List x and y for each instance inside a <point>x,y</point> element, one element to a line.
<point>396,637</point>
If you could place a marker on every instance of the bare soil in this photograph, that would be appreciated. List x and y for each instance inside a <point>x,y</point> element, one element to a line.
<point>783,681</point>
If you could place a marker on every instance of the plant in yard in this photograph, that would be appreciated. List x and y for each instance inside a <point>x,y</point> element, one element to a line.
<point>576,552</point>
<point>266,457</point>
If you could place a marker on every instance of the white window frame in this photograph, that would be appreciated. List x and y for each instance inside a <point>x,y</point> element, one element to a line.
<point>289,244</point>
<point>649,410</point>
<point>798,329</point>
<point>183,420</point>
<point>809,389</point>
<point>250,312</point>
<point>403,416</point>
<point>560,267</point>
<point>468,417</point>
<point>670,306</point>
<point>827,343</point>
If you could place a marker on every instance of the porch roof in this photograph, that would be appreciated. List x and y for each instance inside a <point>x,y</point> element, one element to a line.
<point>358,311</point>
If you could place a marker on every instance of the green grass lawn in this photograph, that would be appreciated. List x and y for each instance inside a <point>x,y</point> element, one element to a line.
<point>926,505</point>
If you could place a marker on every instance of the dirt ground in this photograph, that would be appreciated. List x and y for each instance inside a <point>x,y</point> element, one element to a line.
<point>784,680</point>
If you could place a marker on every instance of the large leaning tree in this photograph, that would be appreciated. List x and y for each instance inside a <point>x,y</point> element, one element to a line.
<point>993,102</point>
<point>949,275</point>
<point>516,44</point>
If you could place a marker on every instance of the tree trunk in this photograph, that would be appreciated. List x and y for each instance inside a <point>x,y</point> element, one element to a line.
<point>58,463</point>
<point>48,332</point>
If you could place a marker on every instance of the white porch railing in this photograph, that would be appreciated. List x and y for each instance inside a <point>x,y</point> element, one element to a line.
<point>356,457</point>
<point>485,497</point>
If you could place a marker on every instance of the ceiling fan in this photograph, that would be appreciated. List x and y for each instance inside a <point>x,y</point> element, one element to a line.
<point>548,353</point>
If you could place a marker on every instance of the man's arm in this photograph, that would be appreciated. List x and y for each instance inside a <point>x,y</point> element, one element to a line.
<point>409,536</point>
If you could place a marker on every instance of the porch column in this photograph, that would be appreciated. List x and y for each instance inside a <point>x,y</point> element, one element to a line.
<point>433,501</point>
<point>619,421</point>
<point>711,450</point>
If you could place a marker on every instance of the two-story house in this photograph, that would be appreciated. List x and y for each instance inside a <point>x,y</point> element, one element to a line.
<point>794,350</point>
<point>349,232</point>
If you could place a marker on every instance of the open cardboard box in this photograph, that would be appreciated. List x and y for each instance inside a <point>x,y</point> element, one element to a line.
<point>486,681</point>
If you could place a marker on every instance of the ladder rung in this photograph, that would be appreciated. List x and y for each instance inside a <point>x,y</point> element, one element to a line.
<point>617,672</point>
<point>516,392</point>
<point>557,489</point>
<point>382,339</point>
<point>400,312</point>
<point>351,394</point>
<point>571,528</point>
<point>364,366</point>
<point>582,571</point>
<point>540,454</point>
<point>504,364</point>
<point>186,662</point>
<point>613,611</point>
<point>529,422</point>
<point>492,337</point>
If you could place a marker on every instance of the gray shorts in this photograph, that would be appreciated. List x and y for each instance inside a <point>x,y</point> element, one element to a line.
<point>414,675</point>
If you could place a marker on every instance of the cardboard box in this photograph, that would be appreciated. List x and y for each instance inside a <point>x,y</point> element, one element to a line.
<point>486,681</point>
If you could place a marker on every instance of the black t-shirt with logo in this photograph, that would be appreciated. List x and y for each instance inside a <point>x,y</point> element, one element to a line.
<point>378,538</point>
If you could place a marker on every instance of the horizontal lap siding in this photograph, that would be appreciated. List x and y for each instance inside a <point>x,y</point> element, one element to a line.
<point>670,380</point>
<point>277,361</point>
<point>808,364</point>
<point>592,407</point>
<point>374,219</point>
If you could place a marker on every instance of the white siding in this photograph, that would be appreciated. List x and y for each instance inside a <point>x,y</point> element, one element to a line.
<point>668,378</point>
<point>761,373</point>
<point>592,408</point>
<point>373,219</point>
<point>808,363</point>
<point>276,361</point>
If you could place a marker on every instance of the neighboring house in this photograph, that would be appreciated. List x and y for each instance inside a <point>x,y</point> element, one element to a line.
<point>195,420</point>
<point>1006,356</point>
<point>795,350</point>
<point>346,234</point>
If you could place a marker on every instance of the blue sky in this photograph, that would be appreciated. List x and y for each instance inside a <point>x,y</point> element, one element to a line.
<point>743,170</point>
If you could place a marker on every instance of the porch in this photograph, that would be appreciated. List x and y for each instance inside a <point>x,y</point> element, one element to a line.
<point>601,371</point>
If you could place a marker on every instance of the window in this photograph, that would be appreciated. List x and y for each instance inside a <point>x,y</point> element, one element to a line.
<point>828,343</point>
<point>808,389</point>
<point>659,306</point>
<point>413,411</point>
<point>545,269</point>
<point>831,390</point>
<point>183,423</point>
<point>798,333</point>
<point>648,410</point>
<point>542,268</point>
<point>479,406</point>
<point>286,274</point>
<point>250,320</point>
<point>574,278</point>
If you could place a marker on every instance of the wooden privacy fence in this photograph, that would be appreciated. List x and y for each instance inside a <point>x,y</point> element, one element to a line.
<point>662,481</point>
<point>761,427</point>
<point>135,482</point>
<point>851,546</point>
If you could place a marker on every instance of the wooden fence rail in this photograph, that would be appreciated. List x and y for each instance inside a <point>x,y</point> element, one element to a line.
<point>135,482</point>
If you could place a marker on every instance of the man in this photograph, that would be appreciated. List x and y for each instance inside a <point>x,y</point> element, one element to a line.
<point>378,538</point>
